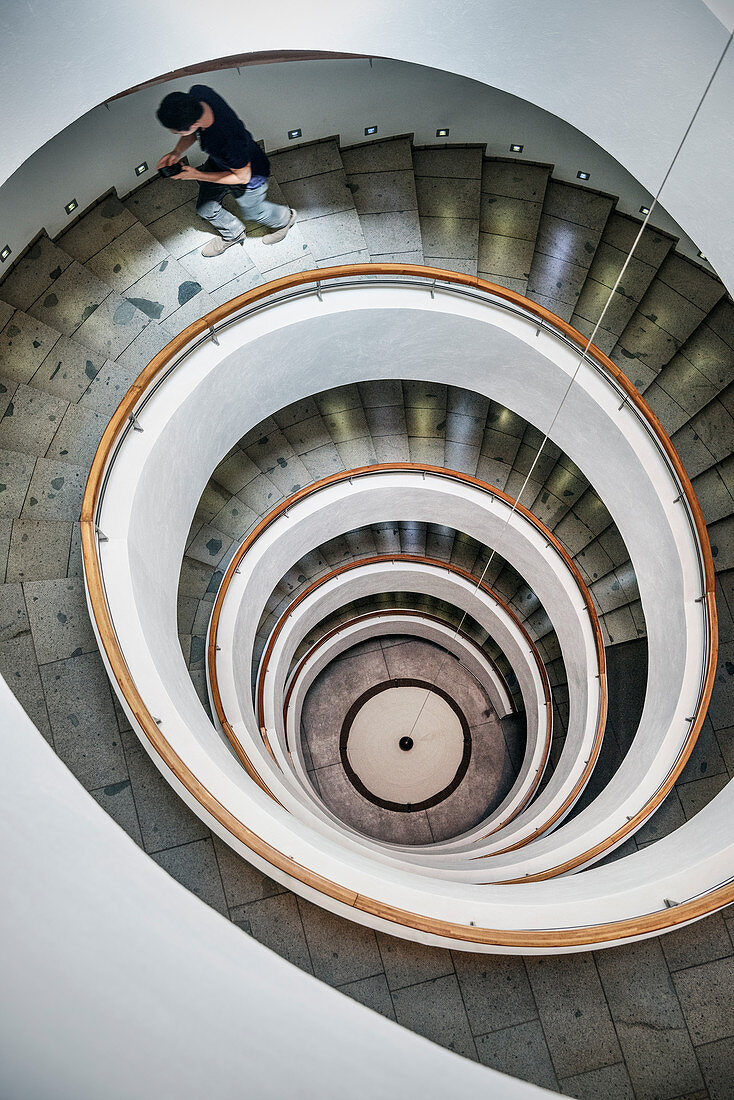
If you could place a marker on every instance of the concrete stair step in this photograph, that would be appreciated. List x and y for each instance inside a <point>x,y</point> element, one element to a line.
<point>511,205</point>
<point>571,226</point>
<point>381,179</point>
<point>448,187</point>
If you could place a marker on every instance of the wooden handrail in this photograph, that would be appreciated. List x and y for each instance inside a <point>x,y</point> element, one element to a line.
<point>631,927</point>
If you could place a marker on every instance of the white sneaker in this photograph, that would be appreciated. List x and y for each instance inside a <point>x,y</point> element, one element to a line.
<point>217,246</point>
<point>279,234</point>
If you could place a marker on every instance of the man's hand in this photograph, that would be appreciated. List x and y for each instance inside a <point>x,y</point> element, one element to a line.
<point>189,173</point>
<point>169,158</point>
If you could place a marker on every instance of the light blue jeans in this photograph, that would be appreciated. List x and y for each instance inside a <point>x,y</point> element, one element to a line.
<point>252,202</point>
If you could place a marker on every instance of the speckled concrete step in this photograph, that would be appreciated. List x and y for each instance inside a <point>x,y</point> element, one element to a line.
<point>312,181</point>
<point>618,237</point>
<point>570,229</point>
<point>511,206</point>
<point>677,301</point>
<point>448,187</point>
<point>380,177</point>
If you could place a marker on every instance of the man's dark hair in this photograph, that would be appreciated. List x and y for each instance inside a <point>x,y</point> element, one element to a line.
<point>179,111</point>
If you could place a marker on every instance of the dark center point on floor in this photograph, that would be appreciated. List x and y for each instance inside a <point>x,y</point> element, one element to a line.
<point>406,743</point>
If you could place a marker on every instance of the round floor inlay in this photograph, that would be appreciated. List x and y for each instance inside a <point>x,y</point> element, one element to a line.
<point>405,745</point>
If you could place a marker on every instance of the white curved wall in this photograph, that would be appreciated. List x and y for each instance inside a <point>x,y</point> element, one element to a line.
<point>628,75</point>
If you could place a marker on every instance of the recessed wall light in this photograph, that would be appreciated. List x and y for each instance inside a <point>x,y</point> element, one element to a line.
<point>71,206</point>
<point>516,148</point>
<point>141,169</point>
<point>645,210</point>
<point>5,252</point>
<point>583,175</point>
<point>369,130</point>
<point>442,133</point>
<point>294,134</point>
<point>701,255</point>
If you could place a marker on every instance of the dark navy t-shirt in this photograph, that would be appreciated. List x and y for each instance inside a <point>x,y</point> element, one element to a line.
<point>227,141</point>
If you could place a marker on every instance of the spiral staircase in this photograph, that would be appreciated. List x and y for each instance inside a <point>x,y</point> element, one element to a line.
<point>84,314</point>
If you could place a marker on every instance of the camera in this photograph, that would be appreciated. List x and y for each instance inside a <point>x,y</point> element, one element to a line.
<point>170,170</point>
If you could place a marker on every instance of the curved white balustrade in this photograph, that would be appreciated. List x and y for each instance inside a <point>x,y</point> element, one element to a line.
<point>373,331</point>
<point>375,579</point>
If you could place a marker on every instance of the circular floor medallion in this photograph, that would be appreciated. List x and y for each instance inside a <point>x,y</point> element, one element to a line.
<point>405,745</point>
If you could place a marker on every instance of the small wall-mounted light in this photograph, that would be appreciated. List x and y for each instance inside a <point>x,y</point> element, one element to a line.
<point>370,130</point>
<point>71,206</point>
<point>516,148</point>
<point>442,133</point>
<point>5,252</point>
<point>645,210</point>
<point>141,169</point>
<point>294,134</point>
<point>583,175</point>
<point>701,255</point>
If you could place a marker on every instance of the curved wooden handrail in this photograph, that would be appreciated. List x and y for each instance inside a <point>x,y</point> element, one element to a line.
<point>631,927</point>
<point>454,475</point>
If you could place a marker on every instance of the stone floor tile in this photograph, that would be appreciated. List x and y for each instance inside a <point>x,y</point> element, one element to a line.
<point>59,619</point>
<point>16,470</point>
<point>113,327</point>
<point>706,758</point>
<point>68,370</point>
<point>609,1083</point>
<point>161,293</point>
<point>391,155</point>
<point>372,992</point>
<point>74,296</point>
<point>667,817</point>
<point>650,1026</point>
<point>520,1051</point>
<point>276,923</point>
<point>340,950</point>
<point>117,800</point>
<point>315,196</point>
<point>408,963</point>
<point>706,995</point>
<point>95,229</point>
<point>127,258</point>
<point>78,435</point>
<point>435,1009</point>
<point>30,421</point>
<point>165,821</point>
<point>717,1065</point>
<point>195,867</point>
<point>24,344</point>
<point>19,669</point>
<point>394,233</point>
<point>108,388</point>
<point>452,238</point>
<point>242,882</point>
<point>694,796</point>
<point>209,546</point>
<point>39,550</point>
<point>13,615</point>
<point>495,989</point>
<point>701,942</point>
<point>181,230</point>
<point>159,196</point>
<point>34,273</point>
<point>83,720</point>
<point>574,1013</point>
<point>333,234</point>
<point>457,161</point>
<point>379,192</point>
<point>55,491</point>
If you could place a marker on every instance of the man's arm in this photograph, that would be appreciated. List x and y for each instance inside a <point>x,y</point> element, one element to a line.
<point>184,143</point>
<point>228,176</point>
